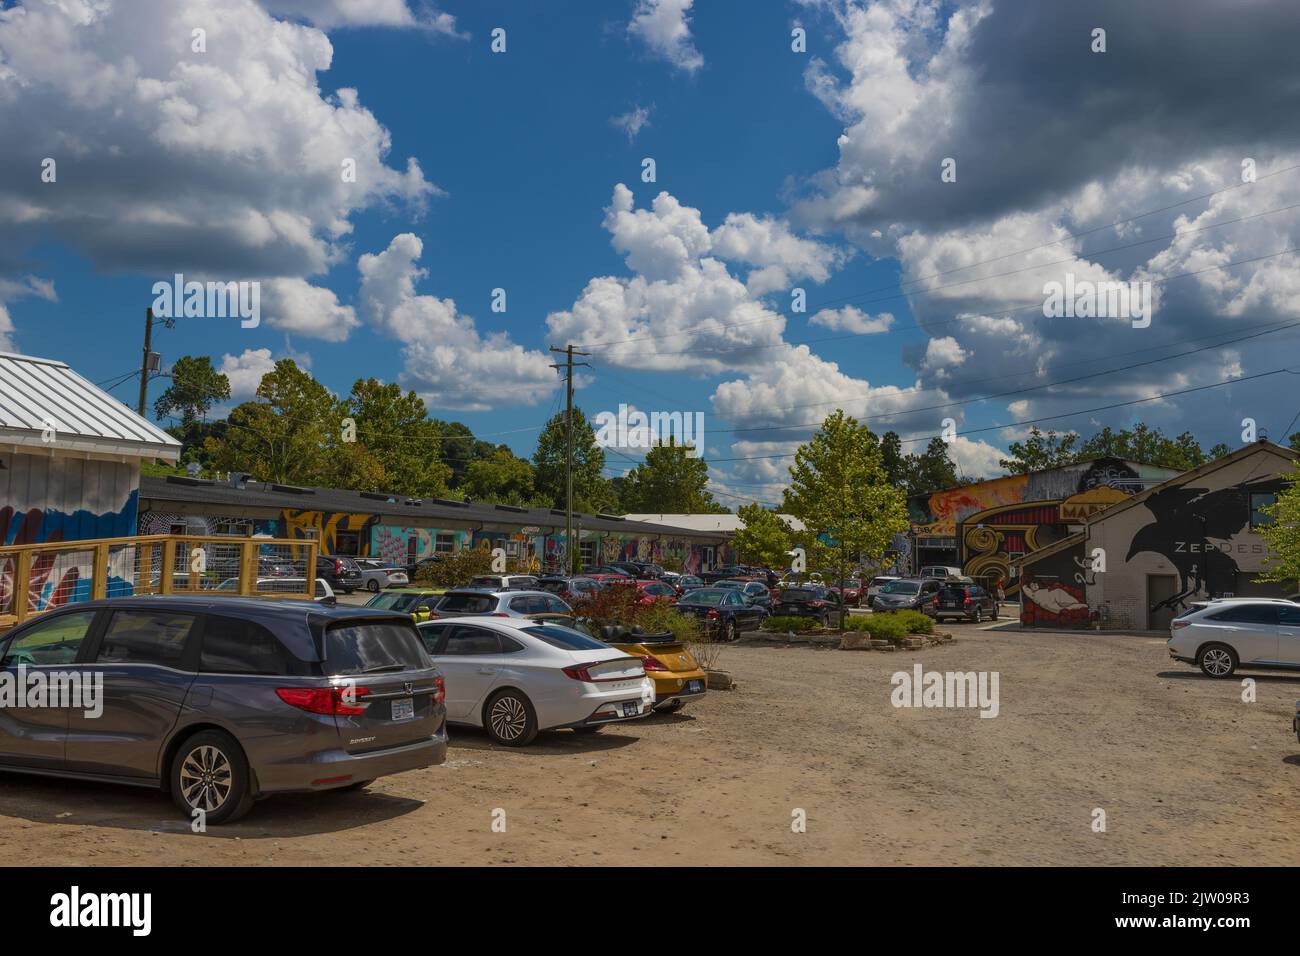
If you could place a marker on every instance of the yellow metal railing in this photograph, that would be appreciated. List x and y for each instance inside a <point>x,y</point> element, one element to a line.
<point>39,577</point>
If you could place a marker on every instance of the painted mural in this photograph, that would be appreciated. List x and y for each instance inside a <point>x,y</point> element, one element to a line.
<point>292,523</point>
<point>1194,530</point>
<point>65,499</point>
<point>1054,604</point>
<point>995,523</point>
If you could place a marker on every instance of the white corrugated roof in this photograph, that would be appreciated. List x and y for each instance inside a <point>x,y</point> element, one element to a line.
<point>706,522</point>
<point>37,393</point>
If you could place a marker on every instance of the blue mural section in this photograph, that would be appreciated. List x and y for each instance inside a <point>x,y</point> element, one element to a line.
<point>37,526</point>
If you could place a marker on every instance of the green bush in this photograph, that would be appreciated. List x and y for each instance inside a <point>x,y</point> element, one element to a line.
<point>790,622</point>
<point>917,623</point>
<point>888,627</point>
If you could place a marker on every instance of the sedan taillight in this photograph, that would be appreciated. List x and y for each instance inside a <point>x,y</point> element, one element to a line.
<point>341,701</point>
<point>1175,625</point>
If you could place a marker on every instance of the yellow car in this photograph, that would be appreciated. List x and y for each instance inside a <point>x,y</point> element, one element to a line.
<point>421,603</point>
<point>668,662</point>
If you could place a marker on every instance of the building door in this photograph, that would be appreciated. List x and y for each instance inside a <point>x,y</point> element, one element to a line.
<point>1160,588</point>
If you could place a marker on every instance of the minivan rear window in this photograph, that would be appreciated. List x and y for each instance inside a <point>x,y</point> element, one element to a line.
<point>797,594</point>
<point>362,647</point>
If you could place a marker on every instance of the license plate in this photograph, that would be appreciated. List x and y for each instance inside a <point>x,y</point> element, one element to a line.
<point>694,686</point>
<point>404,709</point>
<point>631,709</point>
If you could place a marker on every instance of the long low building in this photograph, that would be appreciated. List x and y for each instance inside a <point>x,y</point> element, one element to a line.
<point>400,529</point>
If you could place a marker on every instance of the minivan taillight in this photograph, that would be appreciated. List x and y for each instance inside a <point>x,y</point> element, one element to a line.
<point>440,694</point>
<point>341,701</point>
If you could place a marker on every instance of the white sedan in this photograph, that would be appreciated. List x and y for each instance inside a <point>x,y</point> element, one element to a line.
<point>375,576</point>
<point>515,677</point>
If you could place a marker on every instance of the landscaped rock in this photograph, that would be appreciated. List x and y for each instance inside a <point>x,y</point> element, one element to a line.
<point>720,680</point>
<point>856,642</point>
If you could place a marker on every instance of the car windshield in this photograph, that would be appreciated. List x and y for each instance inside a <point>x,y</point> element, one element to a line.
<point>483,581</point>
<point>880,582</point>
<point>710,598</point>
<point>730,584</point>
<point>565,638</point>
<point>798,594</point>
<point>393,601</point>
<point>900,587</point>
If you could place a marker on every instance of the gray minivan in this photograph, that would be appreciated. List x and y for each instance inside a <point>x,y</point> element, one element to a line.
<point>220,701</point>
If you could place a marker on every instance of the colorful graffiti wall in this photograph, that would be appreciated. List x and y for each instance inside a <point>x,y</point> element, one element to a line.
<point>995,523</point>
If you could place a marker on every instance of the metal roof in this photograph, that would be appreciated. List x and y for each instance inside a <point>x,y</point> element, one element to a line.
<point>230,498</point>
<point>37,395</point>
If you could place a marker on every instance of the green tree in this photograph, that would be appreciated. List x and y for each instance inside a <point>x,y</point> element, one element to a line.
<point>1283,534</point>
<point>502,479</point>
<point>1147,445</point>
<point>763,537</point>
<point>458,448</point>
<point>1039,452</point>
<point>932,470</point>
<point>591,491</point>
<point>671,480</point>
<point>396,430</point>
<point>891,457</point>
<point>293,434</point>
<point>196,386</point>
<point>839,490</point>
<point>1218,451</point>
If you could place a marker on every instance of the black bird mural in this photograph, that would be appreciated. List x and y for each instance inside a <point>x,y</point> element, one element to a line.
<point>1186,519</point>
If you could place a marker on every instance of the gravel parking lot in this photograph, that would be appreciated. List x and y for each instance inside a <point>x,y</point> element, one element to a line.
<point>1185,771</point>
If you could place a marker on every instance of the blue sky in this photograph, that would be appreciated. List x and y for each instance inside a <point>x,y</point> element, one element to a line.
<point>828,161</point>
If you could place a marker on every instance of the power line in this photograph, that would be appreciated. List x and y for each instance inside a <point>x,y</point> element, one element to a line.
<point>1047,418</point>
<point>917,325</point>
<point>1024,389</point>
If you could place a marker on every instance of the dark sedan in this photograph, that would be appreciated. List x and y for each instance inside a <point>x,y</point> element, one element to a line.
<point>727,610</point>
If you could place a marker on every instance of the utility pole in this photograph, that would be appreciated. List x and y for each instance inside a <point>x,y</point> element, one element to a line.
<point>144,362</point>
<point>570,550</point>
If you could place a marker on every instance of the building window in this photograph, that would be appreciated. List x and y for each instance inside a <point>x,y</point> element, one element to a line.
<point>1259,500</point>
<point>588,551</point>
<point>242,529</point>
<point>412,548</point>
<point>443,543</point>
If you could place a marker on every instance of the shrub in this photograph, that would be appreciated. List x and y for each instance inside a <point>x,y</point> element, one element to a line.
<point>658,618</point>
<point>782,623</point>
<point>917,623</point>
<point>456,569</point>
<point>886,627</point>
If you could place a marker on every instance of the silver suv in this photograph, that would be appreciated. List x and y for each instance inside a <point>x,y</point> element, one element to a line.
<point>220,701</point>
<point>1221,636</point>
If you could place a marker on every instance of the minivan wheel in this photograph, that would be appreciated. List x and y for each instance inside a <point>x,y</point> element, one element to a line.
<point>372,586</point>
<point>509,719</point>
<point>1217,660</point>
<point>210,773</point>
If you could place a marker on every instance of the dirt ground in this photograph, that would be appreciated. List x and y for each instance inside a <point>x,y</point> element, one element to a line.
<point>1185,771</point>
